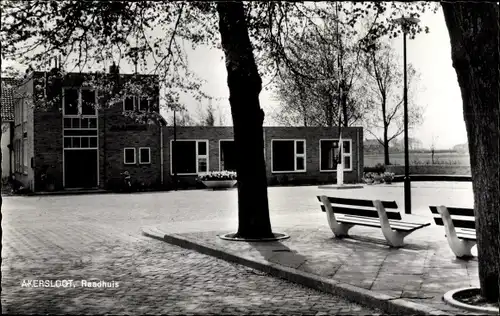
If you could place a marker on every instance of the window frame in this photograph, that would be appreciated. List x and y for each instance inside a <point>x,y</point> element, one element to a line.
<point>80,100</point>
<point>343,154</point>
<point>140,156</point>
<point>25,155</point>
<point>198,156</point>
<point>125,156</point>
<point>296,155</point>
<point>136,102</point>
<point>220,151</point>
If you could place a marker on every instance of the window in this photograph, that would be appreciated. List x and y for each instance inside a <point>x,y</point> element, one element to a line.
<point>88,102</point>
<point>288,155</point>
<point>129,156</point>
<point>17,155</point>
<point>80,142</point>
<point>135,103</point>
<point>79,101</point>
<point>25,155</point>
<point>143,104</point>
<point>329,154</point>
<point>24,109</point>
<point>128,104</point>
<point>189,156</point>
<point>144,155</point>
<point>227,155</point>
<point>70,101</point>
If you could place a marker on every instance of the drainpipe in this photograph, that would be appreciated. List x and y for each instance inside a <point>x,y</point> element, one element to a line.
<point>161,154</point>
<point>359,156</point>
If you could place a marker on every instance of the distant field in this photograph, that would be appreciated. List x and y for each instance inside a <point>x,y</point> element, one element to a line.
<point>419,159</point>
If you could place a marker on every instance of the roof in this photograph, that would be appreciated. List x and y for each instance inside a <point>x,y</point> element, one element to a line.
<point>7,101</point>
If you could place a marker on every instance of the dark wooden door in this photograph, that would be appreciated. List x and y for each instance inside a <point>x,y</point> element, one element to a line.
<point>80,168</point>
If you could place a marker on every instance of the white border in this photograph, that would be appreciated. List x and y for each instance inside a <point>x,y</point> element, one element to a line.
<point>149,155</point>
<point>135,154</point>
<point>197,155</point>
<point>295,155</point>
<point>343,153</point>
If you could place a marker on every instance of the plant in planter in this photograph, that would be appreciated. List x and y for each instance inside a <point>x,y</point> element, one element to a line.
<point>388,177</point>
<point>368,177</point>
<point>47,180</point>
<point>377,178</point>
<point>218,179</point>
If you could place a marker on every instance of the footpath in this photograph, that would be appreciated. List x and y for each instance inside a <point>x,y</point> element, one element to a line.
<point>412,279</point>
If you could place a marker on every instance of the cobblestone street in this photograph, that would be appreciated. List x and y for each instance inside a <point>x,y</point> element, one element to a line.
<point>96,238</point>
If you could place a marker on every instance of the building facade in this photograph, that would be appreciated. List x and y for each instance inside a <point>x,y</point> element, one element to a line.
<point>76,142</point>
<point>7,113</point>
<point>299,155</point>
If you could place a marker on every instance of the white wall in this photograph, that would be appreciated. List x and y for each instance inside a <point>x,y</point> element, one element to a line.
<point>5,149</point>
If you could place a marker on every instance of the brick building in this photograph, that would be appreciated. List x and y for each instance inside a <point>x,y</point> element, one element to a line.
<point>75,142</point>
<point>293,154</point>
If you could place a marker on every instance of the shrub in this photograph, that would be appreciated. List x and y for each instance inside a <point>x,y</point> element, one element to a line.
<point>378,168</point>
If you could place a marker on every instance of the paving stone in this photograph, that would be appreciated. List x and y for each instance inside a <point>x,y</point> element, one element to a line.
<point>153,277</point>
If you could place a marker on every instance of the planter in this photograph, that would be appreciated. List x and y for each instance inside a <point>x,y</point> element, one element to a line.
<point>388,181</point>
<point>469,299</point>
<point>369,181</point>
<point>219,184</point>
<point>377,180</point>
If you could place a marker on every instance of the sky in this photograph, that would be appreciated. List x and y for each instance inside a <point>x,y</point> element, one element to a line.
<point>430,54</point>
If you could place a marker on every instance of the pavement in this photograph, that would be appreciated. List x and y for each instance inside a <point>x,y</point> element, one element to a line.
<point>97,238</point>
<point>412,279</point>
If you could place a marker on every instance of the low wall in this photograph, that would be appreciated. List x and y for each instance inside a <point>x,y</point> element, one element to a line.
<point>430,169</point>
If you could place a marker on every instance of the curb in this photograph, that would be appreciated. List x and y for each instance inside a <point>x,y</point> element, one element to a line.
<point>369,298</point>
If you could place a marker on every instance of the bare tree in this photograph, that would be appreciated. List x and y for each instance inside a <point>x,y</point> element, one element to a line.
<point>207,116</point>
<point>384,79</point>
<point>320,75</point>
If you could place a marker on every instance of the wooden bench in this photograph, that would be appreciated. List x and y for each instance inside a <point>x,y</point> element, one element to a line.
<point>343,214</point>
<point>460,231</point>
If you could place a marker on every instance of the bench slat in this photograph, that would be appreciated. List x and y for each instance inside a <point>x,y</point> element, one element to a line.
<point>397,223</point>
<point>455,211</point>
<point>458,223</point>
<point>362,212</point>
<point>354,202</point>
<point>464,233</point>
<point>375,223</point>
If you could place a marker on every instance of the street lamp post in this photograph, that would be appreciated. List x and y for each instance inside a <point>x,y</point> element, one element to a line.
<point>173,153</point>
<point>405,22</point>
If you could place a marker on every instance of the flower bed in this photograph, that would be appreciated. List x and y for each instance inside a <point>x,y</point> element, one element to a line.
<point>217,176</point>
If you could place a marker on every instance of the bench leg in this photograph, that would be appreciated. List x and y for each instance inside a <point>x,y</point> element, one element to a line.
<point>461,248</point>
<point>339,230</point>
<point>394,238</point>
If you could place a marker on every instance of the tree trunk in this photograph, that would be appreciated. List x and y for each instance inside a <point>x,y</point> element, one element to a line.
<point>1,158</point>
<point>473,30</point>
<point>386,147</point>
<point>386,131</point>
<point>245,84</point>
